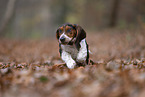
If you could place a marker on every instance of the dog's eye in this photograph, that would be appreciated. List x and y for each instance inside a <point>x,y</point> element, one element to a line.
<point>69,30</point>
<point>60,31</point>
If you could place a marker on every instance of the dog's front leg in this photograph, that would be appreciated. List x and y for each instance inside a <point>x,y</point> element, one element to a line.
<point>82,54</point>
<point>66,57</point>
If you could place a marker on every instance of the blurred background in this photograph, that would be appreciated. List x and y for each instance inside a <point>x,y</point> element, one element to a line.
<point>40,18</point>
<point>30,63</point>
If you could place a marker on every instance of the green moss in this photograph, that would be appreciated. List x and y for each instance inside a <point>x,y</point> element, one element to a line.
<point>43,79</point>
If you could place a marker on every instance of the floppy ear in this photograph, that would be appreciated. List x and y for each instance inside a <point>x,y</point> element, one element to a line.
<point>80,35</point>
<point>57,34</point>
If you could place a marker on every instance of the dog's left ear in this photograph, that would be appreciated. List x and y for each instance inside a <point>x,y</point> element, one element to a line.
<point>57,34</point>
<point>80,35</point>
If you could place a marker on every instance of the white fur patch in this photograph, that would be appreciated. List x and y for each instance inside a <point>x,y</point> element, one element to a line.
<point>67,39</point>
<point>82,55</point>
<point>70,54</point>
<point>66,57</point>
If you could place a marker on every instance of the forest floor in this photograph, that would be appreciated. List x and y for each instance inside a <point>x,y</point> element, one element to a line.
<point>30,68</point>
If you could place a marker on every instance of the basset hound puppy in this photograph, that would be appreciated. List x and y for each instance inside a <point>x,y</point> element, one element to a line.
<point>73,47</point>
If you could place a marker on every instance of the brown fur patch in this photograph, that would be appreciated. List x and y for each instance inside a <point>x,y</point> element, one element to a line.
<point>69,31</point>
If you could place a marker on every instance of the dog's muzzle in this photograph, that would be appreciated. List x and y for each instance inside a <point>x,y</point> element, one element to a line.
<point>62,39</point>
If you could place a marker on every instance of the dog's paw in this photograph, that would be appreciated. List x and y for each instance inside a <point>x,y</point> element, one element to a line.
<point>71,64</point>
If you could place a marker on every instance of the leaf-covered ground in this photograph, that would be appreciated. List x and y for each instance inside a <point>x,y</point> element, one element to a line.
<point>33,68</point>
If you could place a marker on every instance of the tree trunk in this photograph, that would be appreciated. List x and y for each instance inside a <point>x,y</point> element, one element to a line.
<point>114,13</point>
<point>7,16</point>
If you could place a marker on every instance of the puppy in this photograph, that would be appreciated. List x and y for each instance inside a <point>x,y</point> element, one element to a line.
<point>73,47</point>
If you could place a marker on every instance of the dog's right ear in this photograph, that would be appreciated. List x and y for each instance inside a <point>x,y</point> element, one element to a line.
<point>57,33</point>
<point>81,34</point>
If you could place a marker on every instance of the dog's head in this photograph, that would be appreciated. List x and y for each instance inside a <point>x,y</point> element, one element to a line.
<point>69,34</point>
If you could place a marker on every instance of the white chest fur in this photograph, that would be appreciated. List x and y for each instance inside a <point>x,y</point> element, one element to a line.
<point>71,49</point>
<point>75,54</point>
<point>71,55</point>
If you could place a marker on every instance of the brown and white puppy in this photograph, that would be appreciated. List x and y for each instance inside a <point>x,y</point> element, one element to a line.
<point>73,47</point>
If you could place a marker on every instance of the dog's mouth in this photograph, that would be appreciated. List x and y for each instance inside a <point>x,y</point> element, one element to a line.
<point>67,43</point>
<point>64,43</point>
<point>71,42</point>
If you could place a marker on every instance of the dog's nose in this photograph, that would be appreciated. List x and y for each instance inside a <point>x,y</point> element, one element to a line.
<point>62,39</point>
